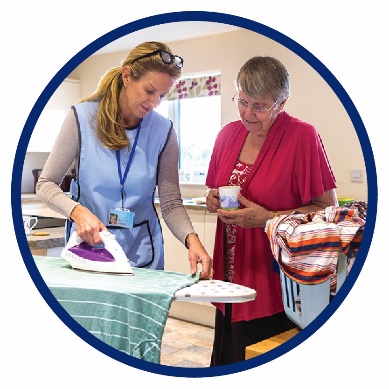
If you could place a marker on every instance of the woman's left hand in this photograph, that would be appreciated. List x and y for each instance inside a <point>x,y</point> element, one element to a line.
<point>198,255</point>
<point>252,215</point>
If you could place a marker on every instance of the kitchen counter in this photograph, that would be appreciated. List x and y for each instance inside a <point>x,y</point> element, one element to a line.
<point>31,199</point>
<point>188,204</point>
<point>32,206</point>
<point>40,244</point>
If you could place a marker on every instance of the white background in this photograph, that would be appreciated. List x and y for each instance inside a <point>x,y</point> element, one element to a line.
<point>39,37</point>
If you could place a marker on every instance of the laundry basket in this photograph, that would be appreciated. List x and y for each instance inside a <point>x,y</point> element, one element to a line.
<point>313,298</point>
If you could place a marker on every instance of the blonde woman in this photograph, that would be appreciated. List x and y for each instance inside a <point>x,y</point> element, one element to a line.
<point>123,150</point>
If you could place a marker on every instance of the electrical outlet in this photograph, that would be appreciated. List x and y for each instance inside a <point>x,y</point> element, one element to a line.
<point>356,175</point>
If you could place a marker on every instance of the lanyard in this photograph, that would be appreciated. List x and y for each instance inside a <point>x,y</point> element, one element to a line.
<point>122,178</point>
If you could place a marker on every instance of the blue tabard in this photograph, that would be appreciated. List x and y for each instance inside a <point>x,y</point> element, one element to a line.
<point>99,183</point>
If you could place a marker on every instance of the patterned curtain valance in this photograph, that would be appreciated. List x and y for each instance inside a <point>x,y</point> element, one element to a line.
<point>195,87</point>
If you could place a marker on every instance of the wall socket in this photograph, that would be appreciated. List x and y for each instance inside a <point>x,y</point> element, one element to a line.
<point>356,175</point>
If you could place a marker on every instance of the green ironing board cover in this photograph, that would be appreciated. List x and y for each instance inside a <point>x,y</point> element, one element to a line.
<point>128,312</point>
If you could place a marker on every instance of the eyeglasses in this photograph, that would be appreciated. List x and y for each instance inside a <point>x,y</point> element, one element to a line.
<point>257,108</point>
<point>166,57</point>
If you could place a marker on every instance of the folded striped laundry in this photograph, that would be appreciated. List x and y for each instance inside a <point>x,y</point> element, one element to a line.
<point>306,246</point>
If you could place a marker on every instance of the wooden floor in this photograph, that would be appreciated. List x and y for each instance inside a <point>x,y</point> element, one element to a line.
<point>268,344</point>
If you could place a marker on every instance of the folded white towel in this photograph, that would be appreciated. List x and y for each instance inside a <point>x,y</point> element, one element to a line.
<point>199,200</point>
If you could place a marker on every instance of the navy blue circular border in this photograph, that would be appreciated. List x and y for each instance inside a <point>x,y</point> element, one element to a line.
<point>182,17</point>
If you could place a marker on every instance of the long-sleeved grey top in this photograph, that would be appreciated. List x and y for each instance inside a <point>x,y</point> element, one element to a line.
<point>65,152</point>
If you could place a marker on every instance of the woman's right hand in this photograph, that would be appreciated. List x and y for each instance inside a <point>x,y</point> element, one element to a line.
<point>212,200</point>
<point>88,226</point>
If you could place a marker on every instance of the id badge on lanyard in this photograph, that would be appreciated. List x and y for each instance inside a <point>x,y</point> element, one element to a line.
<point>123,217</point>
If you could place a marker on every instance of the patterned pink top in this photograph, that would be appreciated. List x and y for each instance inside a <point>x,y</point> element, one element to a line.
<point>238,177</point>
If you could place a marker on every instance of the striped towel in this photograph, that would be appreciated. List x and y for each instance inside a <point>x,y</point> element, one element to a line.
<point>126,312</point>
<point>306,246</point>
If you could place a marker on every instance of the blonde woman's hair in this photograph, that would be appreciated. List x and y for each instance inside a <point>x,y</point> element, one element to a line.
<point>110,126</point>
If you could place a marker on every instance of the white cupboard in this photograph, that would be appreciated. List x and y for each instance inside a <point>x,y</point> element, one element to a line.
<point>49,122</point>
<point>176,254</point>
<point>209,232</point>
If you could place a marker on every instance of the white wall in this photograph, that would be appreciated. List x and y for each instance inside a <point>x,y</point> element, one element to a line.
<point>311,98</point>
<point>32,161</point>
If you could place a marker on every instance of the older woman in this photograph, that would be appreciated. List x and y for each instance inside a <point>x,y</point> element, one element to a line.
<point>123,150</point>
<point>281,166</point>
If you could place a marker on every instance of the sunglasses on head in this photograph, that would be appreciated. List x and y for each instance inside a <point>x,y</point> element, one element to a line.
<point>166,57</point>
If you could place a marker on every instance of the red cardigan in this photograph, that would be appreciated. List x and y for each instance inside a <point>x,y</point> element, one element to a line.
<point>291,169</point>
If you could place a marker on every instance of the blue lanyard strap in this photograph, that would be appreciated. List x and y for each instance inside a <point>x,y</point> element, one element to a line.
<point>122,178</point>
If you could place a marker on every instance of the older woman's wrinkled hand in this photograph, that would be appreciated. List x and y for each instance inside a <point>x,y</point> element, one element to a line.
<point>251,216</point>
<point>212,200</point>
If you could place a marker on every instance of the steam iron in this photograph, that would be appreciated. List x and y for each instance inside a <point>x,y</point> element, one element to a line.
<point>83,256</point>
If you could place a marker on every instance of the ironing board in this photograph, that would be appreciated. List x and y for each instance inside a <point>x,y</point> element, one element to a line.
<point>127,312</point>
<point>216,292</point>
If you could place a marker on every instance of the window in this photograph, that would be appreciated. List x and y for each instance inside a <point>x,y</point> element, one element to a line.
<point>196,115</point>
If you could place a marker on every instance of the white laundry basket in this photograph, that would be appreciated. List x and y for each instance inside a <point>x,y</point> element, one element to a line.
<point>314,298</point>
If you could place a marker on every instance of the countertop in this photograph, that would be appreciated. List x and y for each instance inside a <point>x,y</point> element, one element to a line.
<point>56,238</point>
<point>32,206</point>
<point>189,203</point>
<point>30,198</point>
